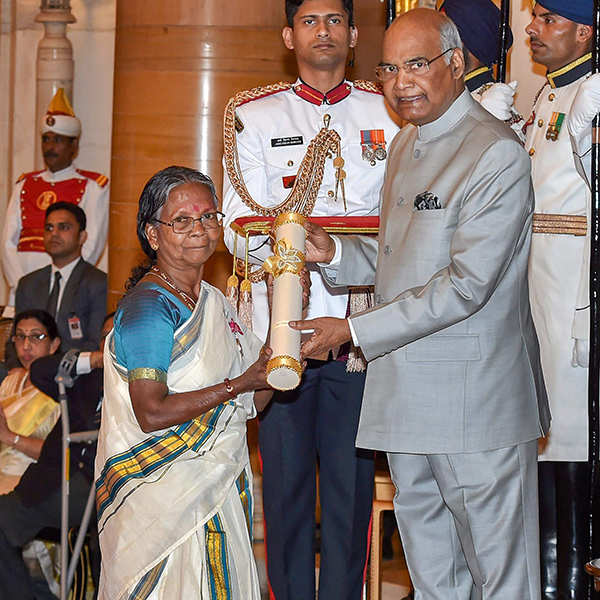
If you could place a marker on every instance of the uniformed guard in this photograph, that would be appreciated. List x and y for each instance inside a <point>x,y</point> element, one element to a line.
<point>319,420</point>
<point>478,22</point>
<point>22,247</point>
<point>560,36</point>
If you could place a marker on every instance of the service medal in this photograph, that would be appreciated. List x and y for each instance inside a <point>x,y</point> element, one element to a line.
<point>372,142</point>
<point>554,126</point>
<point>380,153</point>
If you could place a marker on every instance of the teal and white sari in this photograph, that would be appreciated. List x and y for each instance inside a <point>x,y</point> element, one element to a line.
<point>175,506</point>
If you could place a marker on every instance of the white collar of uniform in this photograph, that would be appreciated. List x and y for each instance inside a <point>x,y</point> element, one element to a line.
<point>65,272</point>
<point>62,175</point>
<point>456,111</point>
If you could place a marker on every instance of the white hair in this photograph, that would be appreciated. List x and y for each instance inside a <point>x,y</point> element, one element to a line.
<point>449,38</point>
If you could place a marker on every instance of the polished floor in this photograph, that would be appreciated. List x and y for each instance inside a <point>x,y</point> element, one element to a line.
<point>395,581</point>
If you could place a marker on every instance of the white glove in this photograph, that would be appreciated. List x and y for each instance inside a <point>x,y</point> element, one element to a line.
<point>581,354</point>
<point>498,99</point>
<point>584,108</point>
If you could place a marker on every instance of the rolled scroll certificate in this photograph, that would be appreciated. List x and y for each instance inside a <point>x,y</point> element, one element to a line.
<point>284,370</point>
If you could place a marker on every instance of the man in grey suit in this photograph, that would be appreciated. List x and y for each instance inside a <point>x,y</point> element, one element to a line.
<point>454,391</point>
<point>70,289</point>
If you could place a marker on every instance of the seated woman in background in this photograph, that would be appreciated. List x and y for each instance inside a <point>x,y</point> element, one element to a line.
<point>173,479</point>
<point>26,414</point>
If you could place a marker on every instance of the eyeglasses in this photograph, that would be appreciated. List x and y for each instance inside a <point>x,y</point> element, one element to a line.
<point>209,220</point>
<point>34,338</point>
<point>418,66</point>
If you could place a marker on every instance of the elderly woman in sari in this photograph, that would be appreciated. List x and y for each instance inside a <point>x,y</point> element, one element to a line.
<point>27,415</point>
<point>182,376</point>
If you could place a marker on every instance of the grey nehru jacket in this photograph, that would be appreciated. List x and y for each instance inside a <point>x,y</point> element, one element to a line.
<point>453,354</point>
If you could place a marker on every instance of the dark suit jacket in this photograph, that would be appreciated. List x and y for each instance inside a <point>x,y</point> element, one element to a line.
<point>84,297</point>
<point>44,475</point>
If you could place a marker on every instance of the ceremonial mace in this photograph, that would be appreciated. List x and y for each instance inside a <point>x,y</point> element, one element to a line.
<point>503,41</point>
<point>593,567</point>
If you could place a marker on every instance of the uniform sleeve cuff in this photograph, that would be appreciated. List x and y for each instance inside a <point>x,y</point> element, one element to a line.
<point>581,323</point>
<point>83,365</point>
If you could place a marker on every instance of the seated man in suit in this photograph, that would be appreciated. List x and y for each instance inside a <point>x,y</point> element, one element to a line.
<point>35,504</point>
<point>70,289</point>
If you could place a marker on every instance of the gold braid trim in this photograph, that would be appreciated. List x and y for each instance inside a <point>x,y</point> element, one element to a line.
<point>303,194</point>
<point>368,86</point>
<point>284,362</point>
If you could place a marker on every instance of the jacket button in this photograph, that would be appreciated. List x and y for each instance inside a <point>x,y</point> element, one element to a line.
<point>290,163</point>
<point>378,299</point>
<point>331,193</point>
<point>417,153</point>
<point>387,250</point>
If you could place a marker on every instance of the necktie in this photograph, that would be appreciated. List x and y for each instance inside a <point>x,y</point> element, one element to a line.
<point>52,304</point>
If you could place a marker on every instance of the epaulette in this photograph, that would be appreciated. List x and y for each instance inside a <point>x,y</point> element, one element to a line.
<point>100,179</point>
<point>256,93</point>
<point>245,96</point>
<point>30,174</point>
<point>368,86</point>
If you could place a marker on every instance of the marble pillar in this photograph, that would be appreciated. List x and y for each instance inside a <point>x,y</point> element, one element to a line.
<point>55,65</point>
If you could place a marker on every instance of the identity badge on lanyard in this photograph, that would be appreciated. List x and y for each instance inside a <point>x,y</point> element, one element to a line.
<point>75,327</point>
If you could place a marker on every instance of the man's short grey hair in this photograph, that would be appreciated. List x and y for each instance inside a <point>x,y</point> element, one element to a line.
<point>449,38</point>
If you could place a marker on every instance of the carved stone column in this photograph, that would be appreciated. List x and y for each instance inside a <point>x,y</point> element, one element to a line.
<point>55,64</point>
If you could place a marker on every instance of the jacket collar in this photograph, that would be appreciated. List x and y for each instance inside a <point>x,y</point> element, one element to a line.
<point>333,96</point>
<point>475,79</point>
<point>571,72</point>
<point>457,110</point>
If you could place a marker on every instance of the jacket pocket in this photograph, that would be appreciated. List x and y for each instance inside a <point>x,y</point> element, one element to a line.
<point>439,348</point>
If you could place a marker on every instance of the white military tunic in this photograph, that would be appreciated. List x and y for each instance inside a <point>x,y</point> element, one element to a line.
<point>557,269</point>
<point>94,203</point>
<point>277,131</point>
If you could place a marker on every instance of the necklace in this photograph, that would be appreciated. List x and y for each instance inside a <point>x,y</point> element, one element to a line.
<point>187,299</point>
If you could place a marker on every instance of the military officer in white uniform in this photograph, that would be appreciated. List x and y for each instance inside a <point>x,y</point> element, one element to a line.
<point>478,22</point>
<point>21,247</point>
<point>560,36</point>
<point>321,417</point>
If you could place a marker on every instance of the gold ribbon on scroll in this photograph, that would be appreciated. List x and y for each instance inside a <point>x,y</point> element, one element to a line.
<point>285,260</point>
